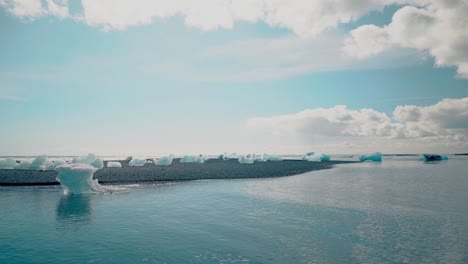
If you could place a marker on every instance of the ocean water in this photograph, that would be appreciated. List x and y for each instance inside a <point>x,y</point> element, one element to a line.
<point>399,211</point>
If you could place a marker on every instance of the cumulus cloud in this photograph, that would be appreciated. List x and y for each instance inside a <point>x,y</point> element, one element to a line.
<point>439,27</point>
<point>447,120</point>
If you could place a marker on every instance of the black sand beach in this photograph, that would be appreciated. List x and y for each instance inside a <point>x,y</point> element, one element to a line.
<point>211,169</point>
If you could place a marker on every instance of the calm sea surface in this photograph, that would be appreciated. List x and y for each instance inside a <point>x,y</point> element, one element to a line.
<point>399,211</point>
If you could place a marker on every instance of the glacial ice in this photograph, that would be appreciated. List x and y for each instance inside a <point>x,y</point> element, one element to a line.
<point>163,161</point>
<point>41,163</point>
<point>316,157</point>
<point>377,156</point>
<point>247,159</point>
<point>59,163</point>
<point>114,164</point>
<point>272,158</point>
<point>227,156</point>
<point>193,159</point>
<point>8,163</point>
<point>91,159</point>
<point>77,178</point>
<point>136,162</point>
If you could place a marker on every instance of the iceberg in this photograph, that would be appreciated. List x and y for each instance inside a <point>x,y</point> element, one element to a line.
<point>91,159</point>
<point>272,158</point>
<point>434,157</point>
<point>8,163</point>
<point>77,178</point>
<point>136,162</point>
<point>247,159</point>
<point>227,156</point>
<point>312,156</point>
<point>114,164</point>
<point>59,163</point>
<point>163,161</point>
<point>377,156</point>
<point>41,163</point>
<point>193,159</point>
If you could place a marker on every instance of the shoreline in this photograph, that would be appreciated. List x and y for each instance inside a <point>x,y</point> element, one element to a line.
<point>211,169</point>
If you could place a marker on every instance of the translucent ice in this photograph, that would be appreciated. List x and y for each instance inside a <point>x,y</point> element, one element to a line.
<point>114,164</point>
<point>227,156</point>
<point>8,163</point>
<point>136,162</point>
<point>59,162</point>
<point>41,163</point>
<point>247,159</point>
<point>193,159</point>
<point>317,157</point>
<point>377,156</point>
<point>272,158</point>
<point>434,157</point>
<point>91,159</point>
<point>77,178</point>
<point>163,161</point>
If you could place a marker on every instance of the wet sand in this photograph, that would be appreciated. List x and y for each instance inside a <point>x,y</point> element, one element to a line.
<point>211,169</point>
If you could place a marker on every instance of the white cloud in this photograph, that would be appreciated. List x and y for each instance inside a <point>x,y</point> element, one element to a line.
<point>444,123</point>
<point>440,28</point>
<point>23,8</point>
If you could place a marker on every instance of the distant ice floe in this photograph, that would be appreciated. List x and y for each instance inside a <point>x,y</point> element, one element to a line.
<point>266,157</point>
<point>377,156</point>
<point>114,164</point>
<point>163,161</point>
<point>136,162</point>
<point>316,157</point>
<point>193,159</point>
<point>227,156</point>
<point>247,159</point>
<point>8,164</point>
<point>433,157</point>
<point>77,178</point>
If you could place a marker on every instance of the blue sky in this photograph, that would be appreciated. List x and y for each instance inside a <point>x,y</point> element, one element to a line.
<point>71,85</point>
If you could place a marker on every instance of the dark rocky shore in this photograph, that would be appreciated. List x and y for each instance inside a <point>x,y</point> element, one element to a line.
<point>211,169</point>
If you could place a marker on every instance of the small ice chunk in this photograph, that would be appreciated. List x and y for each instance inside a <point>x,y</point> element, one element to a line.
<point>8,163</point>
<point>114,164</point>
<point>41,163</point>
<point>24,165</point>
<point>193,159</point>
<point>97,163</point>
<point>163,161</point>
<point>77,178</point>
<point>316,157</point>
<point>247,159</point>
<point>272,158</point>
<point>136,162</point>
<point>227,156</point>
<point>377,156</point>
<point>434,157</point>
<point>59,163</point>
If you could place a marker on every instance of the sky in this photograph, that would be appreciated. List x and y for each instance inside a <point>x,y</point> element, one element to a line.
<point>156,77</point>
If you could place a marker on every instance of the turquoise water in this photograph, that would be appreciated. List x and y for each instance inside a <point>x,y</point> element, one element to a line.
<point>399,211</point>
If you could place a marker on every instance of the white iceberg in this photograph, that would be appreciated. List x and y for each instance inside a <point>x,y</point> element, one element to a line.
<point>163,161</point>
<point>193,159</point>
<point>377,157</point>
<point>136,162</point>
<point>41,163</point>
<point>316,157</point>
<point>272,158</point>
<point>8,164</point>
<point>59,163</point>
<point>114,164</point>
<point>91,159</point>
<point>77,178</point>
<point>227,156</point>
<point>247,159</point>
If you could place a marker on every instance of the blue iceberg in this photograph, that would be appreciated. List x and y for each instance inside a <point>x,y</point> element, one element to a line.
<point>8,163</point>
<point>163,161</point>
<point>193,159</point>
<point>77,178</point>
<point>114,164</point>
<point>136,162</point>
<point>247,159</point>
<point>377,157</point>
<point>316,157</point>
